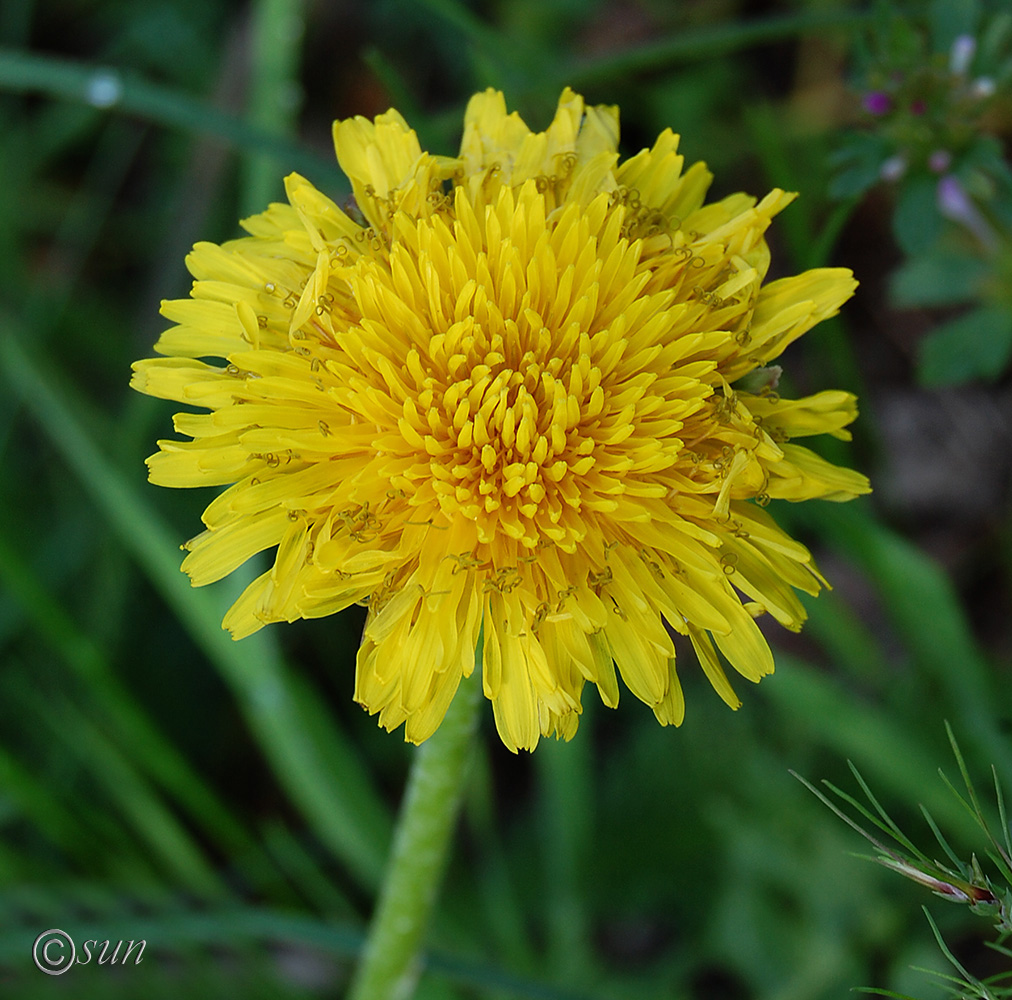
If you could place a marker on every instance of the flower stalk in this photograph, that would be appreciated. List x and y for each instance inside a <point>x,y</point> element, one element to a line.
<point>391,961</point>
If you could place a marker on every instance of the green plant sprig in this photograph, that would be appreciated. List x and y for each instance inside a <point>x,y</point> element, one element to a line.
<point>959,881</point>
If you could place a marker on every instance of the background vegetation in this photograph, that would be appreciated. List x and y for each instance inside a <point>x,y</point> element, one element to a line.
<point>227,802</point>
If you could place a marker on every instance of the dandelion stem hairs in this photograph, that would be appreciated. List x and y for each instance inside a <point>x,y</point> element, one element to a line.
<point>523,393</point>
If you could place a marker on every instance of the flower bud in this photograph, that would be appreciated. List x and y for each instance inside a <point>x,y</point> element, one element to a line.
<point>955,204</point>
<point>939,161</point>
<point>893,168</point>
<point>983,87</point>
<point>961,54</point>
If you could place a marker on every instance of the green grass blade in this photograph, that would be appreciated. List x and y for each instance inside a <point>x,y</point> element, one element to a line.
<point>86,836</point>
<point>846,640</point>
<point>565,786</point>
<point>35,801</point>
<point>494,890</point>
<point>875,991</point>
<point>82,225</point>
<point>704,43</point>
<point>879,742</point>
<point>305,873</point>
<point>126,92</point>
<point>971,810</point>
<point>115,704</point>
<point>915,591</point>
<point>464,20</point>
<point>164,837</point>
<point>830,232</point>
<point>329,786</point>
<point>278,28</point>
<point>187,931</point>
<point>973,807</point>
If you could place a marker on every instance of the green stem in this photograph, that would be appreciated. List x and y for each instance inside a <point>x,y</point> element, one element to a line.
<point>391,961</point>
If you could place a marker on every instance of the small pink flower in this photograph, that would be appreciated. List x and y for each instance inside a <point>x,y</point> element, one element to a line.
<point>961,54</point>
<point>954,203</point>
<point>939,161</point>
<point>877,102</point>
<point>893,168</point>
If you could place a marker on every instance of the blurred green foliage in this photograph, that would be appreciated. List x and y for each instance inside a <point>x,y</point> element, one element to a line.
<point>984,888</point>
<point>933,87</point>
<point>227,802</point>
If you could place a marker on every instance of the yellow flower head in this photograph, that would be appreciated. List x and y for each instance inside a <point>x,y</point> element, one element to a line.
<point>505,392</point>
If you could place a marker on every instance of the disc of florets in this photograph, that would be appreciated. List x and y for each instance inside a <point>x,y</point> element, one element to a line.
<point>507,341</point>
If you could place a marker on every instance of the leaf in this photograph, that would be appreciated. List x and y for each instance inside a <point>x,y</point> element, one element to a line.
<point>986,154</point>
<point>937,280</point>
<point>917,223</point>
<point>951,18</point>
<point>860,160</point>
<point>975,345</point>
<point>854,181</point>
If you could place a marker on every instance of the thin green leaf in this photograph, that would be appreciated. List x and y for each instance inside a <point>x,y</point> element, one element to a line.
<point>845,637</point>
<point>997,946</point>
<point>1006,847</point>
<point>972,810</point>
<point>326,781</point>
<point>306,874</point>
<point>830,231</point>
<point>137,802</point>
<point>402,96</point>
<point>959,987</point>
<point>703,43</point>
<point>945,948</point>
<point>877,991</point>
<point>940,837</point>
<point>278,28</point>
<point>125,91</point>
<point>841,814</point>
<point>47,815</point>
<point>913,590</point>
<point>964,771</point>
<point>565,783</point>
<point>117,706</point>
<point>890,825</point>
<point>464,20</point>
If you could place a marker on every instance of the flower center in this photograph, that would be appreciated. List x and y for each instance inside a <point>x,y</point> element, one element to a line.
<point>507,344</point>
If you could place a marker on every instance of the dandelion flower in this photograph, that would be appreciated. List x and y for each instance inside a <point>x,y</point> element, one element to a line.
<point>523,393</point>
